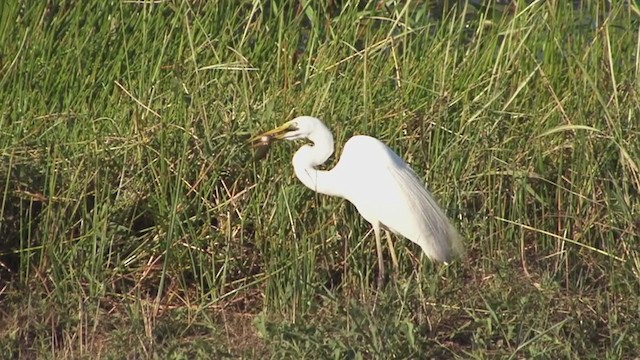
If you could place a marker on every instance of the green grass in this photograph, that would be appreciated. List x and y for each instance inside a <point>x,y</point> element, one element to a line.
<point>135,224</point>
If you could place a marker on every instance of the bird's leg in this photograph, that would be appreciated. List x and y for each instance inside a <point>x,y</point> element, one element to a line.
<point>381,273</point>
<point>394,259</point>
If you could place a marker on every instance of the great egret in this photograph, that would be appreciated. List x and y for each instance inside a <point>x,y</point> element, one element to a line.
<point>383,188</point>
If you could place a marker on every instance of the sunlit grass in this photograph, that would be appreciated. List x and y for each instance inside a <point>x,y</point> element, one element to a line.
<point>135,223</point>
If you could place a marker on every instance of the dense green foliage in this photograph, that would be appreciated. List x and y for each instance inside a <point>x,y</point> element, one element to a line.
<point>135,223</point>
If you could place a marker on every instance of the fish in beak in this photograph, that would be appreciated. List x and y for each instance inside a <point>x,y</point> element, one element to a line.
<point>277,134</point>
<point>262,142</point>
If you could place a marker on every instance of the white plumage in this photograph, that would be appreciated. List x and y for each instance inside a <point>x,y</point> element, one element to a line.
<point>383,188</point>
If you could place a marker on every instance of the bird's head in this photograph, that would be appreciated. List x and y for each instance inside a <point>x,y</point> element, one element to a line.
<point>302,127</point>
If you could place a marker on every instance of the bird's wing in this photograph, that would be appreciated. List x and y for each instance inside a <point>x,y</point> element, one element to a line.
<point>427,225</point>
<point>385,189</point>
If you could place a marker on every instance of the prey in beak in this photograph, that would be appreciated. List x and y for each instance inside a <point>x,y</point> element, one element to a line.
<point>278,133</point>
<point>262,142</point>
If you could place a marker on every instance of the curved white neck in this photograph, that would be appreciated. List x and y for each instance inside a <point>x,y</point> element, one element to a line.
<point>308,157</point>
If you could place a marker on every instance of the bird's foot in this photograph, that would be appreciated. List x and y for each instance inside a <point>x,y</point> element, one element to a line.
<point>382,281</point>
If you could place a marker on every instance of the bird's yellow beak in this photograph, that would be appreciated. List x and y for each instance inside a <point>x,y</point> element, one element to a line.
<point>277,133</point>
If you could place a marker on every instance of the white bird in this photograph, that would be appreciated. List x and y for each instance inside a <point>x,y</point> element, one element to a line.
<point>384,189</point>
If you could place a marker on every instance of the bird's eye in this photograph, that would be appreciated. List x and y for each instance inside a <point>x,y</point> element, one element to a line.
<point>292,127</point>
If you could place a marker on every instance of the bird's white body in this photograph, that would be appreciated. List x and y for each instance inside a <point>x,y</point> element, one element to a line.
<point>386,192</point>
<point>383,188</point>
